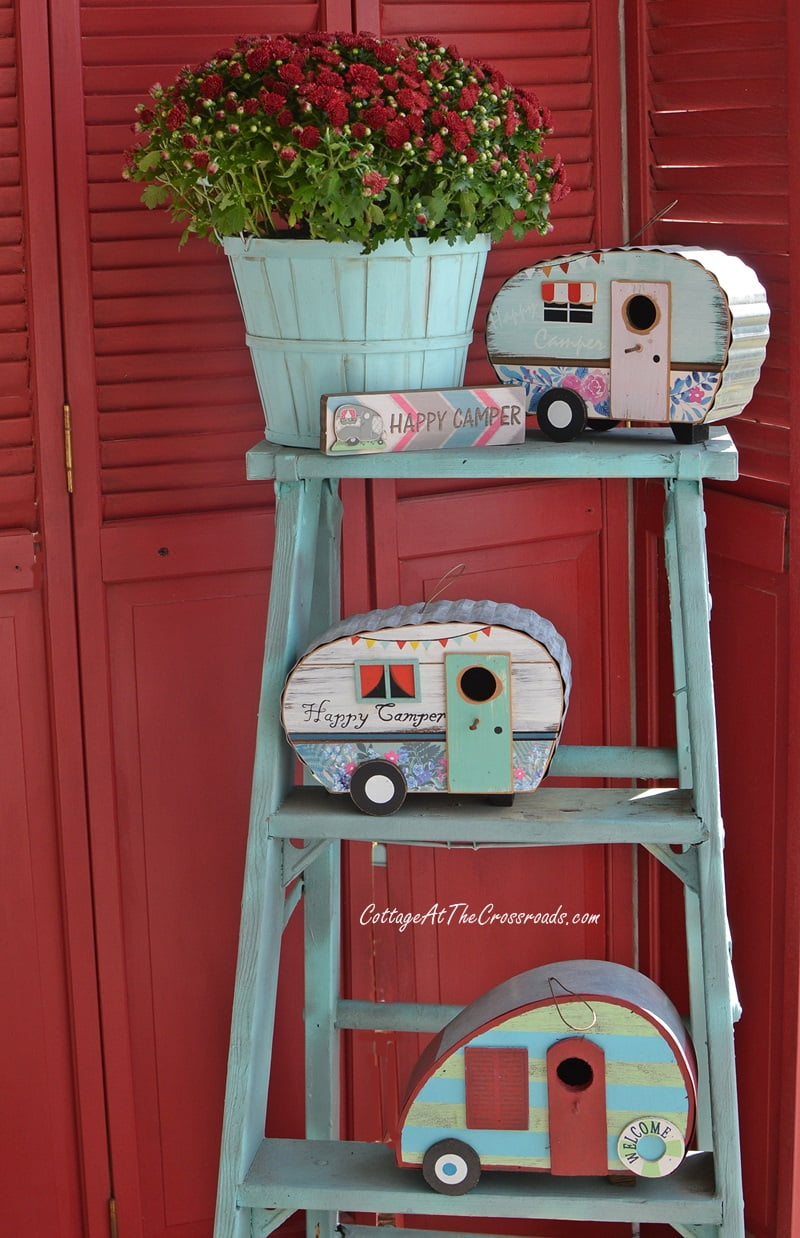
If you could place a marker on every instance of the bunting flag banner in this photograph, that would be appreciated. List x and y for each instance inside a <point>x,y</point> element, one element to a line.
<point>596,254</point>
<point>398,643</point>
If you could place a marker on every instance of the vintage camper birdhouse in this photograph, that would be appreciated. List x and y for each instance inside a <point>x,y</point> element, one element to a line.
<point>661,335</point>
<point>465,696</point>
<point>578,1068</point>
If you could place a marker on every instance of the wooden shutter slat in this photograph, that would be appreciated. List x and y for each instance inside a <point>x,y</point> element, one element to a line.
<point>727,36</point>
<point>764,180</point>
<point>722,92</point>
<point>401,18</point>
<point>710,152</point>
<point>689,12</point>
<point>691,65</point>
<point>746,123</point>
<point>171,19</point>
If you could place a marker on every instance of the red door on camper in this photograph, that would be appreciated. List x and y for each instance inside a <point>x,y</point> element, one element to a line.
<point>576,1102</point>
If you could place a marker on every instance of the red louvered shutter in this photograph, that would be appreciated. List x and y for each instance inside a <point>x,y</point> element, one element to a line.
<point>568,54</point>
<point>715,143</point>
<point>177,400</point>
<point>17,479</point>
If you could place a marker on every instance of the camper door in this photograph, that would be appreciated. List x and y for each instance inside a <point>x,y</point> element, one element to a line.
<point>479,738</point>
<point>640,350</point>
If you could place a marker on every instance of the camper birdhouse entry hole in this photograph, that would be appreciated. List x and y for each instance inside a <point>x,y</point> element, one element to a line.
<point>575,1073</point>
<point>478,683</point>
<point>641,312</point>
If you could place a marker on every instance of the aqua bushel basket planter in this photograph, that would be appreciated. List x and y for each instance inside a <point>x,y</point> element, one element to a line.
<point>322,317</point>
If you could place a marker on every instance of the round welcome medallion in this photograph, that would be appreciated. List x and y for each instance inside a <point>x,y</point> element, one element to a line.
<point>651,1147</point>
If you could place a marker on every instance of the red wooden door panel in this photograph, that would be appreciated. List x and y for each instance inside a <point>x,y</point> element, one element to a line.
<point>750,635</point>
<point>184,653</point>
<point>40,1140</point>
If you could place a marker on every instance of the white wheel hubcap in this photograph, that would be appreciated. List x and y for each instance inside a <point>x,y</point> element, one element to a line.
<point>559,414</point>
<point>379,789</point>
<point>450,1169</point>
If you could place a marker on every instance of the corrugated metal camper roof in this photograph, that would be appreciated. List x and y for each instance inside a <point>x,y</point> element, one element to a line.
<point>484,613</point>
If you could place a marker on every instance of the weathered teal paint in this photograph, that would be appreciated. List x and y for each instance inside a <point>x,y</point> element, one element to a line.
<point>262,1181</point>
<point>478,722</point>
<point>323,317</point>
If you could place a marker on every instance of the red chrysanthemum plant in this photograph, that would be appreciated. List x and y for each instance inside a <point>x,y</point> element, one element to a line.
<point>346,138</point>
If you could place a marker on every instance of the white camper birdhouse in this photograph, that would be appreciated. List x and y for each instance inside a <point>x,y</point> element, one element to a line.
<point>465,696</point>
<point>660,335</point>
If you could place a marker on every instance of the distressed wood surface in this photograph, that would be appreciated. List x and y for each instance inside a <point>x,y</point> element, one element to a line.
<point>362,1177</point>
<point>327,675</point>
<point>625,453</point>
<point>562,817</point>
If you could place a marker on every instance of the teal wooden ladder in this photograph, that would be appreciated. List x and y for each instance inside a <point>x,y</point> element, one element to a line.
<point>263,1181</point>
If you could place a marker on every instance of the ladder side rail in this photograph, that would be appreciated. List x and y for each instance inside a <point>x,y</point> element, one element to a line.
<point>297,515</point>
<point>322,931</point>
<point>694,937</point>
<point>719,993</point>
<point>322,897</point>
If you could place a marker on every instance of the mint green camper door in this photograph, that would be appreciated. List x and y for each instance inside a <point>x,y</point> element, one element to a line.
<point>479,737</point>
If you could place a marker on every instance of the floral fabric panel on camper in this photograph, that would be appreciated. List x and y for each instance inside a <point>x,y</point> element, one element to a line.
<point>423,762</point>
<point>531,758</point>
<point>692,394</point>
<point>591,383</point>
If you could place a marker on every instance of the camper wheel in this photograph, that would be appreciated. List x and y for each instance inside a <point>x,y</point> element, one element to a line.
<point>378,788</point>
<point>561,414</point>
<point>451,1167</point>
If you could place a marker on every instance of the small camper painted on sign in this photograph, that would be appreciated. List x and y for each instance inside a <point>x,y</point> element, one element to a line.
<point>465,696</point>
<point>640,335</point>
<point>577,1068</point>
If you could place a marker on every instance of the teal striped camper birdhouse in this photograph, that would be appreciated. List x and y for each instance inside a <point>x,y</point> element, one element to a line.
<point>576,1068</point>
<point>465,696</point>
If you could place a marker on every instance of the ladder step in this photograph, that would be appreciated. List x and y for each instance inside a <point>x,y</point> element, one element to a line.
<point>549,816</point>
<point>363,1177</point>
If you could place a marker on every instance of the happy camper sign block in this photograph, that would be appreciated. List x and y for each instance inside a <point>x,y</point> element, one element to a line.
<point>386,421</point>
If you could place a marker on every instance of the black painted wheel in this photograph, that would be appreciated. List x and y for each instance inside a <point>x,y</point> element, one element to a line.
<point>451,1167</point>
<point>561,414</point>
<point>378,788</point>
